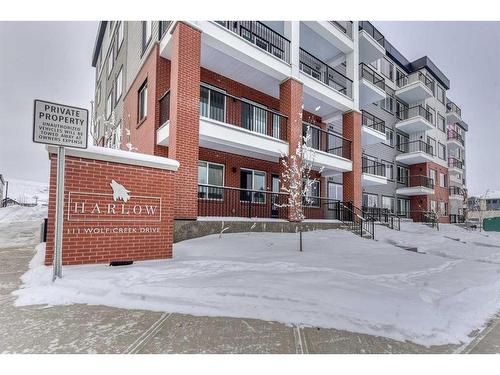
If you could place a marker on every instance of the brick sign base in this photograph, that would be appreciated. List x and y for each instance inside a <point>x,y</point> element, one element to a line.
<point>117,207</point>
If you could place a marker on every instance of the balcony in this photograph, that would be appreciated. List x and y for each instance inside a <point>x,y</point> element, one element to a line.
<point>414,87</point>
<point>343,26</point>
<point>415,152</point>
<point>373,172</point>
<point>230,124</point>
<point>332,152</point>
<point>371,43</point>
<point>324,86</point>
<point>453,113</point>
<point>373,129</point>
<point>417,185</point>
<point>326,39</point>
<point>455,165</point>
<point>454,139</point>
<point>455,193</point>
<point>414,119</point>
<point>371,86</point>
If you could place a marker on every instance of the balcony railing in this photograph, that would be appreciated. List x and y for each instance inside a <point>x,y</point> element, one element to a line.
<point>454,190</point>
<point>407,113</point>
<point>369,74</point>
<point>163,27</point>
<point>454,135</point>
<point>452,107</point>
<point>327,141</point>
<point>455,163</point>
<point>373,32</point>
<point>416,146</point>
<point>322,72</point>
<point>262,36</point>
<point>419,181</point>
<point>367,119</point>
<point>414,77</point>
<point>373,167</point>
<point>165,108</point>
<point>344,26</point>
<point>229,109</point>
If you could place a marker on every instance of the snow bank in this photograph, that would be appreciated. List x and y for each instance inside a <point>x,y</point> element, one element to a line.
<point>12,214</point>
<point>339,281</point>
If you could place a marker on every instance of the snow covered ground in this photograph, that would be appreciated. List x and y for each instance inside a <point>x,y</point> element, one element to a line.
<point>25,191</point>
<point>12,214</point>
<point>339,281</point>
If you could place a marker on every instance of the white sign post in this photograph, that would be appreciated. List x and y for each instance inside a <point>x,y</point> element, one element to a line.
<point>64,126</point>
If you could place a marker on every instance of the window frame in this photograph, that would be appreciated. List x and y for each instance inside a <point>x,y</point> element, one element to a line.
<point>441,147</point>
<point>208,164</point>
<point>253,185</point>
<point>119,83</point>
<point>120,35</point>
<point>368,195</point>
<point>110,61</point>
<point>211,88</point>
<point>145,41</point>
<point>391,64</point>
<point>438,88</point>
<point>392,209</point>
<point>143,87</point>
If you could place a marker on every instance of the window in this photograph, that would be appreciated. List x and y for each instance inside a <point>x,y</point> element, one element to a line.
<point>388,203</point>
<point>402,142</point>
<point>402,175</point>
<point>432,112</point>
<point>370,200</point>
<point>441,151</point>
<point>212,103</point>
<point>118,86</point>
<point>314,193</point>
<point>432,142</point>
<point>403,207</point>
<point>109,104</point>
<point>211,179</point>
<point>443,180</point>
<point>253,117</point>
<point>114,141</point>
<point>441,94</point>
<point>432,176</point>
<point>143,101</point>
<point>400,78</point>
<point>99,61</point>
<point>119,34</point>
<point>433,206</point>
<point>387,69</point>
<point>98,95</point>
<point>335,191</point>
<point>389,137</point>
<point>254,181</point>
<point>401,110</point>
<point>389,170</point>
<point>441,123</point>
<point>110,61</point>
<point>387,103</point>
<point>146,34</point>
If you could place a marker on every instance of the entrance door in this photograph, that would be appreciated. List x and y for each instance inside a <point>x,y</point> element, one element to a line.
<point>275,197</point>
<point>334,193</point>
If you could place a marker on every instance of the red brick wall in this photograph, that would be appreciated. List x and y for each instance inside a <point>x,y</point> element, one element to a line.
<point>185,117</point>
<point>351,129</point>
<point>94,176</point>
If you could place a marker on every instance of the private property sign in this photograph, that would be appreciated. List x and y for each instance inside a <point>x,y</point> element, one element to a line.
<point>60,125</point>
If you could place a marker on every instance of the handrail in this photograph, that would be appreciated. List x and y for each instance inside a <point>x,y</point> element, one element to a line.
<point>373,167</point>
<point>360,221</point>
<point>383,215</point>
<point>452,107</point>
<point>372,31</point>
<point>417,110</point>
<point>454,190</point>
<point>414,77</point>
<point>419,180</point>
<point>344,26</point>
<point>327,141</point>
<point>367,119</point>
<point>454,135</point>
<point>415,146</point>
<point>371,75</point>
<point>323,72</point>
<point>455,163</point>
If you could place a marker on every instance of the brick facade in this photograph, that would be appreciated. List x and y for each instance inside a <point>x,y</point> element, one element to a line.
<point>100,236</point>
<point>351,129</point>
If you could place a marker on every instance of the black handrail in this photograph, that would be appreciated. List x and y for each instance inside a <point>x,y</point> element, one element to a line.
<point>454,190</point>
<point>372,31</point>
<point>344,26</point>
<point>419,180</point>
<point>165,108</point>
<point>327,141</point>
<point>373,167</point>
<point>367,119</point>
<point>262,36</point>
<point>382,215</point>
<point>455,163</point>
<point>241,113</point>
<point>405,80</point>
<point>415,146</point>
<point>418,110</point>
<point>371,75</point>
<point>323,72</point>
<point>452,107</point>
<point>454,135</point>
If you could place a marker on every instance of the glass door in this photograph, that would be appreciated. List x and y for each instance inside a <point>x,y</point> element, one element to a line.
<point>275,188</point>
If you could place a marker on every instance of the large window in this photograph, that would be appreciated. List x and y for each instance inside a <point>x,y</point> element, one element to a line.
<point>441,151</point>
<point>432,142</point>
<point>143,101</point>
<point>119,35</point>
<point>146,33</point>
<point>432,111</point>
<point>402,142</point>
<point>402,174</point>
<point>118,86</point>
<point>335,191</point>
<point>443,180</point>
<point>387,103</point>
<point>212,103</point>
<point>389,169</point>
<point>388,203</point>
<point>387,69</point>
<point>433,206</point>
<point>432,175</point>
<point>370,200</point>
<point>441,123</point>
<point>401,109</point>
<point>389,137</point>
<point>254,181</point>
<point>211,176</point>
<point>400,78</point>
<point>253,117</point>
<point>314,194</point>
<point>441,94</point>
<point>403,207</point>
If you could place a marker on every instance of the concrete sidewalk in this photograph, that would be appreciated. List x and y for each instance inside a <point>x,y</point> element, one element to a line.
<point>102,329</point>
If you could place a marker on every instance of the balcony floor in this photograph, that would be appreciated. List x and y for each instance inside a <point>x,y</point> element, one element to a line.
<point>414,157</point>
<point>414,191</point>
<point>414,92</point>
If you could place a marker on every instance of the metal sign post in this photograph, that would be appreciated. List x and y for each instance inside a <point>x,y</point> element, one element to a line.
<point>64,126</point>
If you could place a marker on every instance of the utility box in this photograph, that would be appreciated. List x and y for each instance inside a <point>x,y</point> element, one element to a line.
<point>492,224</point>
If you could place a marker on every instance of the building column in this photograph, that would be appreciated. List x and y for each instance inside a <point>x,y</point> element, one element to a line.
<point>352,183</point>
<point>291,105</point>
<point>185,117</point>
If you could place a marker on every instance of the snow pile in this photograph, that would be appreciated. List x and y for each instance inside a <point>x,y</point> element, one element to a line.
<point>24,191</point>
<point>16,213</point>
<point>339,281</point>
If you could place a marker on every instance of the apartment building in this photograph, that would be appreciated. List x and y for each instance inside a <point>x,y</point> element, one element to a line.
<point>228,99</point>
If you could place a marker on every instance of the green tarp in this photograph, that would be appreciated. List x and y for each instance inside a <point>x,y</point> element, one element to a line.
<point>492,224</point>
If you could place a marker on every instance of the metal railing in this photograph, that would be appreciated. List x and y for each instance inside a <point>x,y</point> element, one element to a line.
<point>367,119</point>
<point>454,190</point>
<point>262,36</point>
<point>454,135</point>
<point>382,215</point>
<point>419,180</point>
<point>373,167</point>
<point>321,71</point>
<point>235,111</point>
<point>415,146</point>
<point>455,163</point>
<point>418,110</point>
<point>344,26</point>
<point>452,107</point>
<point>371,75</point>
<point>372,31</point>
<point>415,77</point>
<point>165,108</point>
<point>327,141</point>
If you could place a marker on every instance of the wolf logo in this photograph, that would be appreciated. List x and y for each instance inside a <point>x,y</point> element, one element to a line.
<point>119,191</point>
